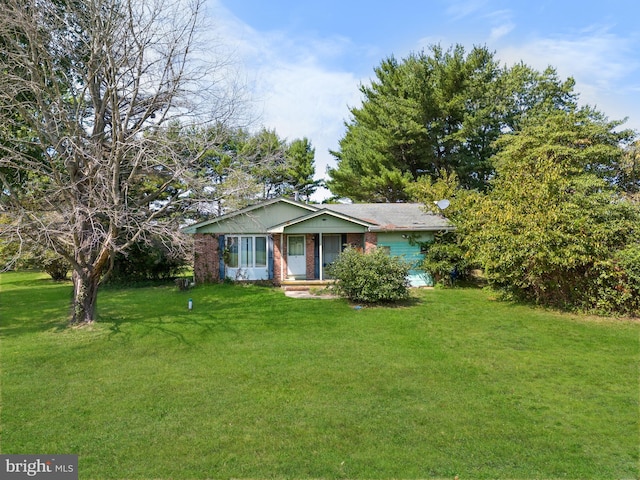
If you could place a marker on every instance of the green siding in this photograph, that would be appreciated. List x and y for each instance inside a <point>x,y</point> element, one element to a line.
<point>257,220</point>
<point>325,224</point>
<point>410,251</point>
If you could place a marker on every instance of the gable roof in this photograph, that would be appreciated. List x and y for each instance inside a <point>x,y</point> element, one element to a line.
<point>318,213</point>
<point>375,217</point>
<point>252,211</point>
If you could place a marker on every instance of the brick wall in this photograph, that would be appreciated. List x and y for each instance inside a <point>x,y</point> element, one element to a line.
<point>206,264</point>
<point>310,256</point>
<point>278,256</point>
<point>355,240</point>
<point>370,241</point>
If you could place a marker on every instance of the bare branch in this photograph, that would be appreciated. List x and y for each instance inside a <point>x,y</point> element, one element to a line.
<point>89,91</point>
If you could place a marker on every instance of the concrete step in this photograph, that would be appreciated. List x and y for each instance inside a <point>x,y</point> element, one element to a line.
<point>304,285</point>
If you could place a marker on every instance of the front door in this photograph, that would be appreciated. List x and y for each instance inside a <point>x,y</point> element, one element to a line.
<point>331,248</point>
<point>296,259</point>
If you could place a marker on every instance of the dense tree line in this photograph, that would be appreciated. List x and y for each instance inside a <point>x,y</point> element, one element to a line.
<point>435,112</point>
<point>111,137</point>
<point>241,167</point>
<point>543,191</point>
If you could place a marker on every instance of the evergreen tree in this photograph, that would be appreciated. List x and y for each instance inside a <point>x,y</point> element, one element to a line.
<point>435,113</point>
<point>301,168</point>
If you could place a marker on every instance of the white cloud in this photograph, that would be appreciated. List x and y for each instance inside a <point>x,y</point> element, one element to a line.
<point>600,62</point>
<point>599,58</point>
<point>464,8</point>
<point>500,31</point>
<point>293,93</point>
<point>304,100</point>
<point>502,24</point>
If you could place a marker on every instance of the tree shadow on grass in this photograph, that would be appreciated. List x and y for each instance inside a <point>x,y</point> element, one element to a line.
<point>17,328</point>
<point>35,309</point>
<point>185,329</point>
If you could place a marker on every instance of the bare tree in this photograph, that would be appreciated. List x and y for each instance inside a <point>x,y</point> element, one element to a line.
<point>89,92</point>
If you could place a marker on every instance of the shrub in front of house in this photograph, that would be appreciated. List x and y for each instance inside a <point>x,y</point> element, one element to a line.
<point>373,277</point>
<point>445,259</point>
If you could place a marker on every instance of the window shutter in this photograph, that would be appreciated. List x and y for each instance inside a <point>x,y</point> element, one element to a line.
<point>221,247</point>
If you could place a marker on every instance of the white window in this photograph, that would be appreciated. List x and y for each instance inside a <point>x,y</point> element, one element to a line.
<point>232,252</point>
<point>261,251</point>
<point>246,251</point>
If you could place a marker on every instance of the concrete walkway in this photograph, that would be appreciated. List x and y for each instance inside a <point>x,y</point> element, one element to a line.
<point>308,294</point>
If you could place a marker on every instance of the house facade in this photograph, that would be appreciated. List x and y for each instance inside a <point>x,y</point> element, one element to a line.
<point>283,240</point>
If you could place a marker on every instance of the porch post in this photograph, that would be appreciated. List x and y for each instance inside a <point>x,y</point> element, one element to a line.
<point>320,256</point>
<point>282,259</point>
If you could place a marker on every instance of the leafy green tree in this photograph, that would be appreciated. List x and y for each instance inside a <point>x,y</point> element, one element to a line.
<point>628,173</point>
<point>446,253</point>
<point>57,267</point>
<point>281,168</point>
<point>264,155</point>
<point>241,167</point>
<point>437,112</point>
<point>445,258</point>
<point>228,183</point>
<point>554,229</point>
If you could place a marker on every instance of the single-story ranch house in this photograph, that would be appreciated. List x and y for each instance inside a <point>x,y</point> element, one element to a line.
<point>283,240</point>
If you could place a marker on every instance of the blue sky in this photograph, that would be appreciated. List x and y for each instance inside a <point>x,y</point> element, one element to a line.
<point>303,61</point>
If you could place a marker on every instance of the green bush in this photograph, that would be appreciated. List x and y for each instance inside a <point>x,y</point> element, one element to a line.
<point>35,257</point>
<point>143,262</point>
<point>444,257</point>
<point>614,286</point>
<point>56,267</point>
<point>373,277</point>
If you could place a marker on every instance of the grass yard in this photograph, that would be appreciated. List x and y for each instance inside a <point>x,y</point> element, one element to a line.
<point>252,384</point>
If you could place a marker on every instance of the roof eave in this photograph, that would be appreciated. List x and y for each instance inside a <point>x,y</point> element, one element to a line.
<point>280,228</point>
<point>387,229</point>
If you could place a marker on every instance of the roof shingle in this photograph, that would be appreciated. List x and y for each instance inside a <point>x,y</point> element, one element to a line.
<point>393,216</point>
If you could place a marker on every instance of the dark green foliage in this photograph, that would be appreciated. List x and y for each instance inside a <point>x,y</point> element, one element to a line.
<point>445,259</point>
<point>240,167</point>
<point>301,168</point>
<point>553,229</point>
<point>615,283</point>
<point>628,174</point>
<point>557,227</point>
<point>438,111</point>
<point>56,267</point>
<point>373,277</point>
<point>147,262</point>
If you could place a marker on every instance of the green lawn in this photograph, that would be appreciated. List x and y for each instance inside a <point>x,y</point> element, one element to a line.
<point>253,384</point>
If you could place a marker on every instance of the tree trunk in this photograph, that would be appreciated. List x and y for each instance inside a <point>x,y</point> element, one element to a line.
<point>85,296</point>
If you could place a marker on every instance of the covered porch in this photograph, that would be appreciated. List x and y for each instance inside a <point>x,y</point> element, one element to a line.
<point>303,249</point>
